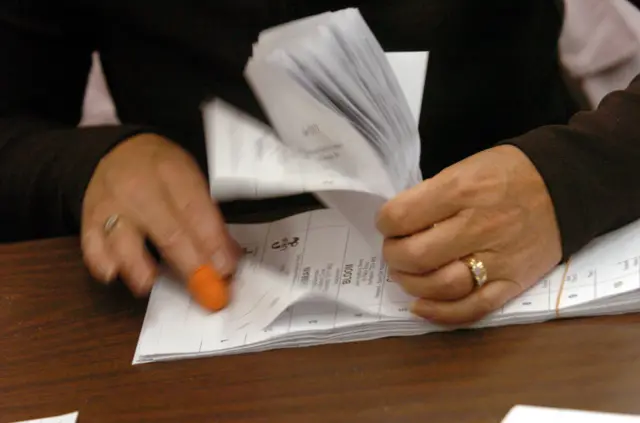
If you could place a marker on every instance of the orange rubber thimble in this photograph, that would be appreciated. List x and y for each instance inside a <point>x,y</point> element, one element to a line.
<point>209,289</point>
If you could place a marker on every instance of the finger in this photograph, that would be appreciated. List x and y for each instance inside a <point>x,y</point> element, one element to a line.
<point>153,214</point>
<point>100,262</point>
<point>431,249</point>
<point>136,266</point>
<point>481,302</point>
<point>201,216</point>
<point>183,250</point>
<point>418,208</point>
<point>451,282</point>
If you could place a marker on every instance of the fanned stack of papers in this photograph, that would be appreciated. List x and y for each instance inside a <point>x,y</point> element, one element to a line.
<point>343,123</point>
<point>344,128</point>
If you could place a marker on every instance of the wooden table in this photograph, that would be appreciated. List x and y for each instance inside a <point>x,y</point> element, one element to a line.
<point>66,344</point>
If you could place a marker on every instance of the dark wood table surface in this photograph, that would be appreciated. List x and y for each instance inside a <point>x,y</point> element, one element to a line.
<point>66,344</point>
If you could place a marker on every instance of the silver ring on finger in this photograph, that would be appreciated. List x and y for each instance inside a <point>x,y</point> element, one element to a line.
<point>478,270</point>
<point>111,223</point>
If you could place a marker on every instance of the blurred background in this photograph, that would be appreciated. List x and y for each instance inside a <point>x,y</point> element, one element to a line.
<point>599,50</point>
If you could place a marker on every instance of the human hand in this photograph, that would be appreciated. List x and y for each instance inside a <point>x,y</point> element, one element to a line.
<point>494,207</point>
<point>157,192</point>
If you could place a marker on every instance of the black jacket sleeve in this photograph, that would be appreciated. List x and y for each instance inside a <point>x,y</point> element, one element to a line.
<point>45,160</point>
<point>589,167</point>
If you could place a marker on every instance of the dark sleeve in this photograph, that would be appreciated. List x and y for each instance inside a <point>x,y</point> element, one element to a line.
<point>45,160</point>
<point>406,25</point>
<point>589,167</point>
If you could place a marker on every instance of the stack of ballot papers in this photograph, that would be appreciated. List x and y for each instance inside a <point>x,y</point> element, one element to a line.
<point>343,120</point>
<point>531,414</point>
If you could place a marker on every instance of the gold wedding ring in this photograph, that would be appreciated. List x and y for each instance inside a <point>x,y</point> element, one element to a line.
<point>478,270</point>
<point>111,223</point>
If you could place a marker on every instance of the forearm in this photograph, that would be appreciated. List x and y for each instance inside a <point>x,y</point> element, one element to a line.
<point>44,170</point>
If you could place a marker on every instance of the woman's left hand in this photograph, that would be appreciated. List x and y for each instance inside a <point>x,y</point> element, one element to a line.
<point>492,207</point>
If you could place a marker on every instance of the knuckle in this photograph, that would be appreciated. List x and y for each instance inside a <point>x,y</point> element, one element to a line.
<point>412,287</point>
<point>132,186</point>
<point>401,280</point>
<point>499,227</point>
<point>199,216</point>
<point>89,246</point>
<point>172,238</point>
<point>471,225</point>
<point>176,163</point>
<point>488,223</point>
<point>389,253</point>
<point>450,284</point>
<point>97,263</point>
<point>195,216</point>
<point>462,189</point>
<point>111,175</point>
<point>168,166</point>
<point>406,255</point>
<point>466,192</point>
<point>481,187</point>
<point>393,216</point>
<point>96,272</point>
<point>503,218</point>
<point>125,176</point>
<point>505,267</point>
<point>413,252</point>
<point>130,189</point>
<point>423,313</point>
<point>468,216</point>
<point>92,261</point>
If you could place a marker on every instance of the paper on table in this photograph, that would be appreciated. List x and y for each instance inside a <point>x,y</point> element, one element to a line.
<point>531,414</point>
<point>66,418</point>
<point>324,255</point>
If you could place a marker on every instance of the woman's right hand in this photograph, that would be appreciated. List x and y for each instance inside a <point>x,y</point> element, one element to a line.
<point>157,192</point>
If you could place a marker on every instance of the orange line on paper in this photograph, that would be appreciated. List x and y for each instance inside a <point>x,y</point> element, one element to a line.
<point>564,279</point>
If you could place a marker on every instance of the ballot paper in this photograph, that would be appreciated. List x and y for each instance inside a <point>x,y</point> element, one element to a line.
<point>531,414</point>
<point>67,418</point>
<point>319,277</point>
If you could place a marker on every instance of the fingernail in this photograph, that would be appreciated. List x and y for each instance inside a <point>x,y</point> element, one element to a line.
<point>209,289</point>
<point>109,273</point>
<point>144,282</point>
<point>222,263</point>
<point>421,309</point>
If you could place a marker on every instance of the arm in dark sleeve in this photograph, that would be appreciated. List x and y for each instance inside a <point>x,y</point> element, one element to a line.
<point>45,161</point>
<point>589,167</point>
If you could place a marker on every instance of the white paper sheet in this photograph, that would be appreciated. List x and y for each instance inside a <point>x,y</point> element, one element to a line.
<point>337,291</point>
<point>66,418</point>
<point>531,414</point>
